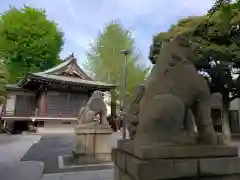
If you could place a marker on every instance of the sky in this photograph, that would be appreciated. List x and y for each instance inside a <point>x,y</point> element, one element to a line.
<point>82,20</point>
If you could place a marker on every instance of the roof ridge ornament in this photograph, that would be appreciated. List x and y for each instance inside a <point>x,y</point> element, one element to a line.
<point>73,58</point>
<point>72,55</point>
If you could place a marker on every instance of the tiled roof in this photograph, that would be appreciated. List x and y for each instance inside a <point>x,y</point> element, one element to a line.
<point>68,72</point>
<point>14,87</point>
<point>55,68</point>
<point>71,79</point>
<point>69,63</point>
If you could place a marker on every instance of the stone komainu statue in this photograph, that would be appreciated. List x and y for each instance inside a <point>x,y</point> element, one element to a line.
<point>173,99</point>
<point>95,106</point>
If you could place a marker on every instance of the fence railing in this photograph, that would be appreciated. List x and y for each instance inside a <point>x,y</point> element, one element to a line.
<point>32,114</point>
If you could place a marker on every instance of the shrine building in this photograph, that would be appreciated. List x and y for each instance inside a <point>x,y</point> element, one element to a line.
<point>52,98</point>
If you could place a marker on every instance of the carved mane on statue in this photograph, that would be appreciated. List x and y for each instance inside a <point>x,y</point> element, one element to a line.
<point>95,106</point>
<point>173,99</point>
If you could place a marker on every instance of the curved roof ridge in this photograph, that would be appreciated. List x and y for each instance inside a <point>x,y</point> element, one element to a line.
<point>55,68</point>
<point>83,72</point>
<point>69,60</point>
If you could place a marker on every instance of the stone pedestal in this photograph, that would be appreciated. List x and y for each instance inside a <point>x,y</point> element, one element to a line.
<point>93,139</point>
<point>154,162</point>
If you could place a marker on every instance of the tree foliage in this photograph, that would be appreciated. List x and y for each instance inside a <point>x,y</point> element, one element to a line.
<point>107,64</point>
<point>226,7</point>
<point>217,48</point>
<point>3,81</point>
<point>28,41</point>
<point>215,39</point>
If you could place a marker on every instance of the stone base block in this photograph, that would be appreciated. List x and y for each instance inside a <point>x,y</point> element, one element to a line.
<point>119,174</point>
<point>93,140</point>
<point>129,166</point>
<point>153,151</point>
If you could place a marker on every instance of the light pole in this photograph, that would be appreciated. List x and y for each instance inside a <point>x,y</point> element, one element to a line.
<point>126,53</point>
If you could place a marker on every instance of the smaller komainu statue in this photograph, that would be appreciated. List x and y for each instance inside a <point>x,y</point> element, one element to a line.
<point>95,106</point>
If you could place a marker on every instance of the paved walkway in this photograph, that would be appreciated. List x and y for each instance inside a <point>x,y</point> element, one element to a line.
<point>13,147</point>
<point>83,175</point>
<point>51,146</point>
<point>17,147</point>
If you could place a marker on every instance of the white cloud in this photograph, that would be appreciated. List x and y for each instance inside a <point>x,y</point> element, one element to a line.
<point>82,20</point>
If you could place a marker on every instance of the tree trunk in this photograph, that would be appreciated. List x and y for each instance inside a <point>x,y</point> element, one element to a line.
<point>225,124</point>
<point>113,103</point>
<point>1,123</point>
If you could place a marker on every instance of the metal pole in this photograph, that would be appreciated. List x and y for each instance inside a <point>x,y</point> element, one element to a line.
<point>125,97</point>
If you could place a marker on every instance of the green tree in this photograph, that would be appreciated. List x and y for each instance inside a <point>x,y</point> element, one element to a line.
<point>3,81</point>
<point>28,41</point>
<point>226,7</point>
<point>226,10</point>
<point>217,48</point>
<point>106,63</point>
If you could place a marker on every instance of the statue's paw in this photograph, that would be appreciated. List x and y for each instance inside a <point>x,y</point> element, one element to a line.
<point>222,140</point>
<point>134,120</point>
<point>135,109</point>
<point>131,131</point>
<point>209,138</point>
<point>131,134</point>
<point>131,119</point>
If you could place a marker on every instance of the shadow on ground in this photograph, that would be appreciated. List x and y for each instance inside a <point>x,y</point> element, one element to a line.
<point>49,148</point>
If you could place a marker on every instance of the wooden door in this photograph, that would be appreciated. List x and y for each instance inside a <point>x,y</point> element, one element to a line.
<point>65,104</point>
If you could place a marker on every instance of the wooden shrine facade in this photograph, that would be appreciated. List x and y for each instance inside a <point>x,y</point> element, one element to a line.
<point>55,93</point>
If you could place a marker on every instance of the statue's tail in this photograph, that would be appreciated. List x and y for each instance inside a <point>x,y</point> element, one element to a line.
<point>80,112</point>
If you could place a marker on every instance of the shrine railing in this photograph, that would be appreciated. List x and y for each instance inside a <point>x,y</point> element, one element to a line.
<point>34,114</point>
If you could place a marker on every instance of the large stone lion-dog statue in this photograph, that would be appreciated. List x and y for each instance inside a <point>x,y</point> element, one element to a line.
<point>173,99</point>
<point>95,106</point>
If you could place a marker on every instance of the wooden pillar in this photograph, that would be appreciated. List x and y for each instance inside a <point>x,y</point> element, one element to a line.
<point>43,104</point>
<point>1,114</point>
<point>11,104</point>
<point>113,103</point>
